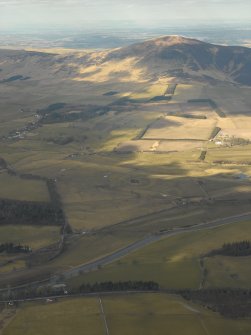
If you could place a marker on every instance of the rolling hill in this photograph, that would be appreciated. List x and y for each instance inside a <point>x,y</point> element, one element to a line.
<point>184,57</point>
<point>170,56</point>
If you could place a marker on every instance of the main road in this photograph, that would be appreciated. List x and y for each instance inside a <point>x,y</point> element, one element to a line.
<point>94,265</point>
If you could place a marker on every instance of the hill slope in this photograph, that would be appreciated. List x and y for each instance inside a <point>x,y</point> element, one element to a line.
<point>184,57</point>
<point>170,56</point>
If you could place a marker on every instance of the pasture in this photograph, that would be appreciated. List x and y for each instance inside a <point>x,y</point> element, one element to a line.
<point>34,236</point>
<point>176,128</point>
<point>119,197</point>
<point>158,146</point>
<point>166,261</point>
<point>228,271</point>
<point>17,188</point>
<point>66,317</point>
<point>150,314</point>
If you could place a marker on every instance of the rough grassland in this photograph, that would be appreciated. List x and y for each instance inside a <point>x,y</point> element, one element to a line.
<point>228,271</point>
<point>163,314</point>
<point>13,266</point>
<point>79,316</point>
<point>33,236</point>
<point>22,189</point>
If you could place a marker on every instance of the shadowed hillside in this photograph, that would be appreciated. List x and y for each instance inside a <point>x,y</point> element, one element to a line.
<point>184,57</point>
<point>169,56</point>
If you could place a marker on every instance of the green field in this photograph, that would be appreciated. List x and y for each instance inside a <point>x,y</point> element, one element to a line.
<point>228,271</point>
<point>66,317</point>
<point>90,247</point>
<point>13,187</point>
<point>150,314</point>
<point>166,261</point>
<point>112,198</point>
<point>33,236</point>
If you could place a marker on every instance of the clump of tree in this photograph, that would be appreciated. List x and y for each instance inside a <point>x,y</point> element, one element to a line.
<point>238,141</point>
<point>13,78</point>
<point>3,164</point>
<point>231,162</point>
<point>215,132</point>
<point>61,140</point>
<point>54,195</point>
<point>110,93</point>
<point>232,303</point>
<point>235,249</point>
<point>161,98</point>
<point>110,286</point>
<point>11,248</point>
<point>171,89</point>
<point>29,212</point>
<point>203,155</point>
<point>193,116</point>
<point>66,114</point>
<point>52,108</point>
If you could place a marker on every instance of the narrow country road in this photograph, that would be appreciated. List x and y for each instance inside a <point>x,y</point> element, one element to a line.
<point>103,316</point>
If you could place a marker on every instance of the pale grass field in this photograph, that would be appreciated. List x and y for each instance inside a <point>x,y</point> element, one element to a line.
<point>121,71</point>
<point>238,155</point>
<point>137,146</point>
<point>175,128</point>
<point>159,145</point>
<point>157,89</point>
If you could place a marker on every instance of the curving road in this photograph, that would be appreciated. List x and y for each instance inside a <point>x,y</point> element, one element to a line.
<point>94,265</point>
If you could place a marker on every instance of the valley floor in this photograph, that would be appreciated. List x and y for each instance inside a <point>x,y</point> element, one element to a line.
<point>134,179</point>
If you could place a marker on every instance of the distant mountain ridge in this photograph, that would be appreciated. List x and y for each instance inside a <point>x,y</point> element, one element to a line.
<point>169,56</point>
<point>185,55</point>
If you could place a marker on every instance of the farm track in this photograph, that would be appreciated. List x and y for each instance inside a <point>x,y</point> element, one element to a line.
<point>103,316</point>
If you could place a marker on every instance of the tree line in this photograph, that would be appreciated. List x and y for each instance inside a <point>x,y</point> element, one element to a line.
<point>229,302</point>
<point>30,212</point>
<point>110,286</point>
<point>232,303</point>
<point>11,248</point>
<point>49,290</point>
<point>235,249</point>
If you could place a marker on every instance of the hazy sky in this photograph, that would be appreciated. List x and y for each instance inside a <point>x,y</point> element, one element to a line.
<point>16,14</point>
